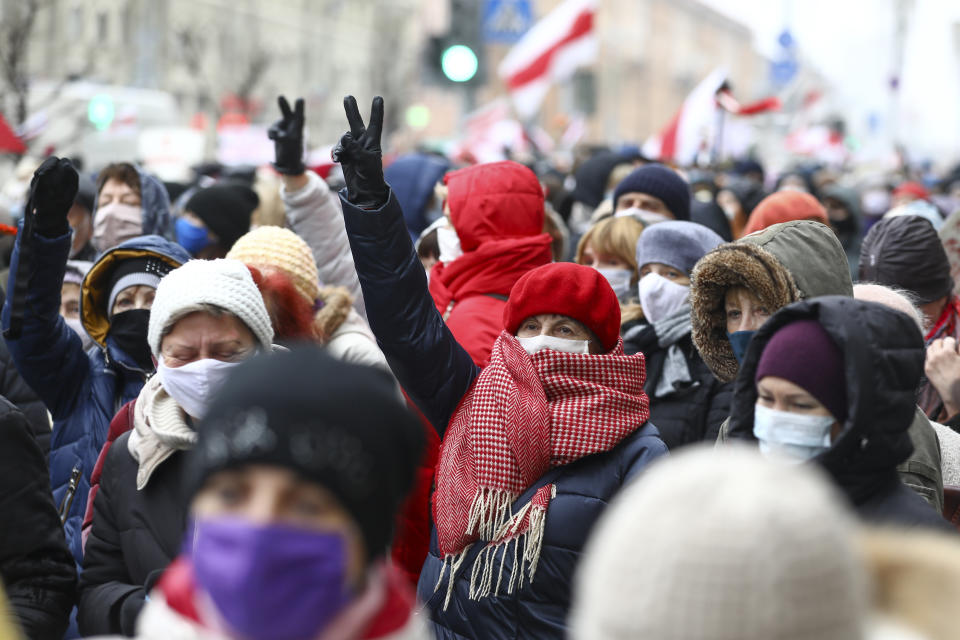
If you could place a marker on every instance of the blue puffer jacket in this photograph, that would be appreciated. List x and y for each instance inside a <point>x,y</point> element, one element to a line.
<point>436,372</point>
<point>83,391</point>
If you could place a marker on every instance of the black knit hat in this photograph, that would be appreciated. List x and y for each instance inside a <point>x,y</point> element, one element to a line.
<point>225,209</point>
<point>905,251</point>
<point>337,424</point>
<point>660,182</point>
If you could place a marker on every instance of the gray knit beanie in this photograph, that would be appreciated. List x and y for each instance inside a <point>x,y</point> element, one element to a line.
<point>678,244</point>
<point>723,545</point>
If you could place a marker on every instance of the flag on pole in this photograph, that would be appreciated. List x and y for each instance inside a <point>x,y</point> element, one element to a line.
<point>693,129</point>
<point>550,52</point>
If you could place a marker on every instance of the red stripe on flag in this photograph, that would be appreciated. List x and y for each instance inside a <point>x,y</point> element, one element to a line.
<point>539,67</point>
<point>668,141</point>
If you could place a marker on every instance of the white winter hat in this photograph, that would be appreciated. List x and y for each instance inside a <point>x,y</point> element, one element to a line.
<point>723,545</point>
<point>226,284</point>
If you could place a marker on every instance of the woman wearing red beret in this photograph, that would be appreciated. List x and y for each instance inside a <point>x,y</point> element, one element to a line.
<point>534,445</point>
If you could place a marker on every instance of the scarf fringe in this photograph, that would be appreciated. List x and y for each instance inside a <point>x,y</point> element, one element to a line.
<point>491,516</point>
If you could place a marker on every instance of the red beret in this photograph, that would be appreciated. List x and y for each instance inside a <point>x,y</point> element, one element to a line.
<point>566,289</point>
<point>785,206</point>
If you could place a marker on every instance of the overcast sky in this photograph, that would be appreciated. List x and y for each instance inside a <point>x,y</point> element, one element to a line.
<point>851,43</point>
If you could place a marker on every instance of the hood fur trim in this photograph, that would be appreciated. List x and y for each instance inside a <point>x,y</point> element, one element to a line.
<point>337,303</point>
<point>733,265</point>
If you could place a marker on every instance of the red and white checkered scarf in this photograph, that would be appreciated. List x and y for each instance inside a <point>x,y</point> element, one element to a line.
<point>523,416</point>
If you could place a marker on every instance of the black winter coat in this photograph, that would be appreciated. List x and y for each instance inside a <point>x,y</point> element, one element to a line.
<point>688,415</point>
<point>134,536</point>
<point>15,389</point>
<point>36,567</point>
<point>436,372</point>
<point>883,356</point>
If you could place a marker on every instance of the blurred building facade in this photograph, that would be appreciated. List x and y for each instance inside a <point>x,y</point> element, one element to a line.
<point>231,58</point>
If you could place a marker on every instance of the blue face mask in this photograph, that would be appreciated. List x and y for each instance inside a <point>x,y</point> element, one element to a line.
<point>739,341</point>
<point>191,237</point>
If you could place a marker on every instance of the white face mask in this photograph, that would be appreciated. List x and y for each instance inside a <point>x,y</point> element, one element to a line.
<point>77,325</point>
<point>646,217</point>
<point>541,342</point>
<point>619,280</point>
<point>449,243</point>
<point>660,298</point>
<point>115,223</point>
<point>792,437</point>
<point>194,384</point>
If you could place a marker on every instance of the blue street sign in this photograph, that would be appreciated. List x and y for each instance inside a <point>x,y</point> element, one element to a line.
<point>505,21</point>
<point>783,71</point>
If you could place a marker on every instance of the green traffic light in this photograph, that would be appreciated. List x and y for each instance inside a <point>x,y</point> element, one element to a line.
<point>459,63</point>
<point>100,111</point>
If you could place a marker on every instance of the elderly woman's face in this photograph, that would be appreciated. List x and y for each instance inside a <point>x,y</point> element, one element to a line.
<point>266,495</point>
<point>552,324</point>
<point>744,312</point>
<point>201,336</point>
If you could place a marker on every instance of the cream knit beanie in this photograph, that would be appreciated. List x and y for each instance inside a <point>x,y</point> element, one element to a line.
<point>277,248</point>
<point>226,284</point>
<point>722,545</point>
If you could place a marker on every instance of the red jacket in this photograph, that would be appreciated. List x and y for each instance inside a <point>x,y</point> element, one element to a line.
<point>497,212</point>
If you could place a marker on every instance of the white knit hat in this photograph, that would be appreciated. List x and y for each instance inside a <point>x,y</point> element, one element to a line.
<point>723,545</point>
<point>222,283</point>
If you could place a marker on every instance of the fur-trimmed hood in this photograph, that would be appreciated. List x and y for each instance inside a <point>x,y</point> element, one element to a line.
<point>782,264</point>
<point>337,303</point>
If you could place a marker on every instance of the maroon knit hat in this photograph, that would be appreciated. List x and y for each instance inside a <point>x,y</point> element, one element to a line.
<point>566,289</point>
<point>803,353</point>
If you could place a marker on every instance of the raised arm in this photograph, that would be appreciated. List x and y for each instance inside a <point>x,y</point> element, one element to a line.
<point>312,211</point>
<point>48,354</point>
<point>428,362</point>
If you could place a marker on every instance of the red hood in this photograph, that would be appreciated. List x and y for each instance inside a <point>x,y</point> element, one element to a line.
<point>494,201</point>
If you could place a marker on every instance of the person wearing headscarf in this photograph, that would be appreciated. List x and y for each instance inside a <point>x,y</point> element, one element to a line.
<point>688,403</point>
<point>534,444</point>
<point>738,286</point>
<point>832,381</point>
<point>208,316</point>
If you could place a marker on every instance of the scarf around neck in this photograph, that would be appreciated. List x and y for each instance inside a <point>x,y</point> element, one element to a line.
<point>160,428</point>
<point>523,416</point>
<point>946,326</point>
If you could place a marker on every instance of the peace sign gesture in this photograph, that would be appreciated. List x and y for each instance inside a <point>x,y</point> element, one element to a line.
<point>287,136</point>
<point>359,155</point>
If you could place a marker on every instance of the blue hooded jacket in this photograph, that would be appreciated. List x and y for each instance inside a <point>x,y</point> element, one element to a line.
<point>83,391</point>
<point>412,178</point>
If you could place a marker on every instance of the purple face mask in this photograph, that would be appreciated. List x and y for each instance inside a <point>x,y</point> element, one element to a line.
<point>271,582</point>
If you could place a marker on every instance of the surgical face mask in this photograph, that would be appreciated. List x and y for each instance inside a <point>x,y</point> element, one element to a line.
<point>619,280</point>
<point>793,437</point>
<point>644,216</point>
<point>449,243</point>
<point>194,384</point>
<point>541,342</point>
<point>739,341</point>
<point>191,237</point>
<point>271,582</point>
<point>115,223</point>
<point>77,325</point>
<point>660,298</point>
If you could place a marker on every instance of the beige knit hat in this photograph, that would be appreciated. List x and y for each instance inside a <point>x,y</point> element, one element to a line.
<point>723,545</point>
<point>226,284</point>
<point>277,248</point>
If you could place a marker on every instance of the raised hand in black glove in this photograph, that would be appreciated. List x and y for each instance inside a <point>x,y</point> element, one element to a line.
<point>287,136</point>
<point>359,155</point>
<point>52,192</point>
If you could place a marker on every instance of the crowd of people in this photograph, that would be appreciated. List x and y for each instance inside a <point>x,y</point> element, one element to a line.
<point>423,398</point>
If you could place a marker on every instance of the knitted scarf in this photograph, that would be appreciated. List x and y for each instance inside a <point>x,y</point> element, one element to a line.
<point>523,416</point>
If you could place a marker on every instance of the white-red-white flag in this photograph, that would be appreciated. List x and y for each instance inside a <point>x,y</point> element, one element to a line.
<point>551,51</point>
<point>693,129</point>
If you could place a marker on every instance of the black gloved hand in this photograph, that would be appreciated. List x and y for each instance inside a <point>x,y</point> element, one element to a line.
<point>52,192</point>
<point>287,136</point>
<point>359,155</point>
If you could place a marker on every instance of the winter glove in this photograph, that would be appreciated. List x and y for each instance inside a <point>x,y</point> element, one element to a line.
<point>359,155</point>
<point>287,136</point>
<point>52,192</point>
